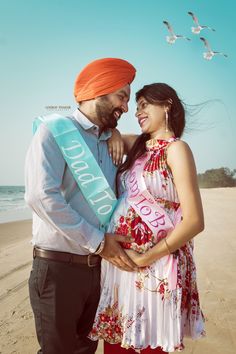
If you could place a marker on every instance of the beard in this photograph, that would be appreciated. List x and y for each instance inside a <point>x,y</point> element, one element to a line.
<point>106,113</point>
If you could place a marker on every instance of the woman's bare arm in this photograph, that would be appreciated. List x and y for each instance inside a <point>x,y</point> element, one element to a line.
<point>119,145</point>
<point>129,140</point>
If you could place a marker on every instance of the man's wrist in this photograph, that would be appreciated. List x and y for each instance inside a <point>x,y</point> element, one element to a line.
<point>100,247</point>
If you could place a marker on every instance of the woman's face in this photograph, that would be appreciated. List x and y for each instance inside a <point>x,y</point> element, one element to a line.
<point>151,118</point>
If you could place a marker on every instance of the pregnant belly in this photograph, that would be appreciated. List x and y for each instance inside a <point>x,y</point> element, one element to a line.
<point>131,224</point>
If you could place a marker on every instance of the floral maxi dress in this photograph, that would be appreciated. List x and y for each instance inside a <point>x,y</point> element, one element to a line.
<point>137,309</point>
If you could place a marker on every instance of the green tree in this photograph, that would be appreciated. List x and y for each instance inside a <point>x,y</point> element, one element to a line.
<point>220,177</point>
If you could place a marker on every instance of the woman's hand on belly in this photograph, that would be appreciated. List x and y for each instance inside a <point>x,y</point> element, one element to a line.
<point>141,259</point>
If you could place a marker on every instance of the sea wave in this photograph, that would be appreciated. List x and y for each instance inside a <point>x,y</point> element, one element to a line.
<point>12,199</point>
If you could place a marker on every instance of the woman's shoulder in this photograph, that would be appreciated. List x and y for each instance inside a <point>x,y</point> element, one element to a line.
<point>178,152</point>
<point>178,145</point>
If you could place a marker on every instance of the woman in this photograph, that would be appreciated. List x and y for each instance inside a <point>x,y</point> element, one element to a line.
<point>151,310</point>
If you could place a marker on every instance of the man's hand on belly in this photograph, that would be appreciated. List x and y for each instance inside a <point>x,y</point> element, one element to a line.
<point>114,253</point>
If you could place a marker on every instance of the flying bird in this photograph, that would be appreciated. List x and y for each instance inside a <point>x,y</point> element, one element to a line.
<point>172,38</point>
<point>210,53</point>
<point>197,30</point>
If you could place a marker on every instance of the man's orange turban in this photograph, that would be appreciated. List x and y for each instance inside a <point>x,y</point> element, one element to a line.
<point>101,77</point>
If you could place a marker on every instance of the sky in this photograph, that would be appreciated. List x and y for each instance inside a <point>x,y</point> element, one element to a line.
<point>44,45</point>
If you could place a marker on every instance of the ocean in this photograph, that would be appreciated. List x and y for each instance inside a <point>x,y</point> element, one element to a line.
<point>12,204</point>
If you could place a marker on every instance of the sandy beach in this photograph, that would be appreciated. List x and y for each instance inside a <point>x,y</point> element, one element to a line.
<point>215,258</point>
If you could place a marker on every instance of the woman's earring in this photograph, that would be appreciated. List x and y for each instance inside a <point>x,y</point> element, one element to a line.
<point>167,121</point>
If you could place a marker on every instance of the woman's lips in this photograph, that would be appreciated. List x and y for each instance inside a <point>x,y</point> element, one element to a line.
<point>142,121</point>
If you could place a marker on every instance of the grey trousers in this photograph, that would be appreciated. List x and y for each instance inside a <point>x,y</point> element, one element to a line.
<point>64,299</point>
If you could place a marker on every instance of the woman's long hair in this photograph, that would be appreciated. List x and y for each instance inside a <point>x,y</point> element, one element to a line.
<point>162,95</point>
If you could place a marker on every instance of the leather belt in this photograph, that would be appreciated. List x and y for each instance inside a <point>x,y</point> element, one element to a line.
<point>90,260</point>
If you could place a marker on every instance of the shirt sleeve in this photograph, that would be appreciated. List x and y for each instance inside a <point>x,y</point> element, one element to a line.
<point>44,170</point>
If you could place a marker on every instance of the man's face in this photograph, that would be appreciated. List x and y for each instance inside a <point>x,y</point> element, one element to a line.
<point>110,107</point>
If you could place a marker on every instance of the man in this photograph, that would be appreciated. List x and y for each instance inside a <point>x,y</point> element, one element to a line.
<point>68,238</point>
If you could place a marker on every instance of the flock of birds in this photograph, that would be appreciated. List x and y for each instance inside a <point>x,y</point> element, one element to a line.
<point>195,30</point>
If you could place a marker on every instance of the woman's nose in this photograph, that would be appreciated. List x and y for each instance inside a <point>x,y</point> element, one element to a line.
<point>137,113</point>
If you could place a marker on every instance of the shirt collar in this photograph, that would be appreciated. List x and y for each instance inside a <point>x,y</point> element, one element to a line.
<point>83,120</point>
<point>88,125</point>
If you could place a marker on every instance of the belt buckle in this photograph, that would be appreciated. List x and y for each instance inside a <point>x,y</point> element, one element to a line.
<point>89,263</point>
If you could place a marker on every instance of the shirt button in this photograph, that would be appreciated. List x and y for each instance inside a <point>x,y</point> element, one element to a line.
<point>100,161</point>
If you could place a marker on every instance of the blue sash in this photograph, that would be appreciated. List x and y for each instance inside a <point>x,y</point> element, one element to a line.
<point>82,165</point>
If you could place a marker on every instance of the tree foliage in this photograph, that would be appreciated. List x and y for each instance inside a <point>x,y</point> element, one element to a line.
<point>220,177</point>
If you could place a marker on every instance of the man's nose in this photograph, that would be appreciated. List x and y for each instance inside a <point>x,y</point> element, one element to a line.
<point>125,107</point>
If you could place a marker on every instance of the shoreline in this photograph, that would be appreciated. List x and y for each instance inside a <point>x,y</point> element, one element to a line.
<point>15,215</point>
<point>215,261</point>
